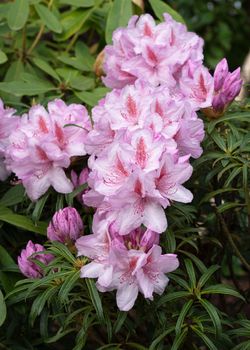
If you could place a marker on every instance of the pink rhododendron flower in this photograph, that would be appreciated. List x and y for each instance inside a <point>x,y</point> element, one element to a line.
<point>165,54</point>
<point>66,226</point>
<point>28,267</point>
<point>131,263</point>
<point>43,146</point>
<point>8,123</point>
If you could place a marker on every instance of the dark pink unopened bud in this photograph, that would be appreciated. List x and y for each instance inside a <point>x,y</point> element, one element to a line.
<point>65,226</point>
<point>220,74</point>
<point>226,87</point>
<point>28,267</point>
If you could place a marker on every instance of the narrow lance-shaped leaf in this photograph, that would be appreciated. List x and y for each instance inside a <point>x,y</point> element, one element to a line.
<point>48,18</point>
<point>3,310</point>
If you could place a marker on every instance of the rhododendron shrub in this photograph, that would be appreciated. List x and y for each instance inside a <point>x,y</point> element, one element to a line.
<point>124,208</point>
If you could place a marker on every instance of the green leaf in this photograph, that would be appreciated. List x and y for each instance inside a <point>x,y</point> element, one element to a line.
<point>213,314</point>
<point>225,206</point>
<point>60,249</point>
<point>3,57</point>
<point>196,260</point>
<point>13,196</point>
<point>222,289</point>
<point>212,194</point>
<point>119,321</point>
<point>119,15</point>
<point>37,212</point>
<point>160,338</point>
<point>84,56</point>
<point>179,339</point>
<point>20,221</point>
<point>159,7</point>
<point>18,14</point>
<point>191,272</point>
<point>79,3</point>
<point>68,284</point>
<point>73,22</point>
<point>95,298</point>
<point>70,197</point>
<point>48,18</point>
<point>219,141</point>
<point>205,339</point>
<point>3,310</point>
<point>232,175</point>
<point>171,242</point>
<point>21,88</point>
<point>179,281</point>
<point>92,98</point>
<point>44,66</point>
<point>184,311</point>
<point>173,296</point>
<point>206,275</point>
<point>39,303</point>
<point>82,83</point>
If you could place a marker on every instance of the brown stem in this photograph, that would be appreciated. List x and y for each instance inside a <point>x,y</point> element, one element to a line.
<point>230,239</point>
<point>40,33</point>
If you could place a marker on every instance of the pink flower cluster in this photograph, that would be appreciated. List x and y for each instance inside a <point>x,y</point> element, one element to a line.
<point>8,123</point>
<point>144,133</point>
<point>141,144</point>
<point>127,263</point>
<point>165,54</point>
<point>44,144</point>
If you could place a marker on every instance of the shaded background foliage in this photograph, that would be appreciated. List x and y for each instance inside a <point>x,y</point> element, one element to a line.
<point>47,50</point>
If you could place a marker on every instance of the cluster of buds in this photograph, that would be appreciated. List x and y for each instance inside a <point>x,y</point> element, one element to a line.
<point>66,227</point>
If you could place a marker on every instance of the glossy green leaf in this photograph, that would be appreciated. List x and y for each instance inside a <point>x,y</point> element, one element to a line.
<point>21,88</point>
<point>18,14</point>
<point>183,313</point>
<point>3,310</point>
<point>179,339</point>
<point>206,275</point>
<point>222,289</point>
<point>46,67</point>
<point>191,272</point>
<point>48,18</point>
<point>13,196</point>
<point>119,15</point>
<point>73,22</point>
<point>159,7</point>
<point>173,296</point>
<point>95,298</point>
<point>79,3</point>
<point>205,339</point>
<point>153,345</point>
<point>213,314</point>
<point>20,221</point>
<point>3,57</point>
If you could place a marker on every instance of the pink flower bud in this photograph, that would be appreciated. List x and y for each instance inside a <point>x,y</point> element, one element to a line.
<point>28,267</point>
<point>66,225</point>
<point>220,74</point>
<point>80,180</point>
<point>226,87</point>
